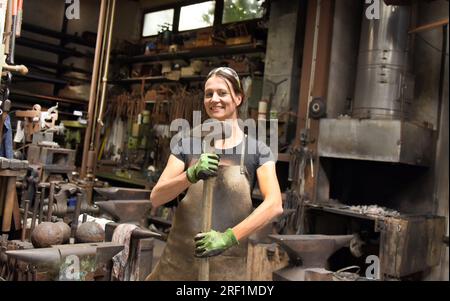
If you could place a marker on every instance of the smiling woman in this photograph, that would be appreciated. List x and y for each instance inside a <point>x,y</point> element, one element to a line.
<point>233,218</point>
<point>223,94</point>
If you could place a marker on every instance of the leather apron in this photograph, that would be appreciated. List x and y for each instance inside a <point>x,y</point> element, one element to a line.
<point>232,203</point>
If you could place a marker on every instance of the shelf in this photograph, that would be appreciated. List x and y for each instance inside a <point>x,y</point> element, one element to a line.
<point>57,35</point>
<point>194,53</point>
<point>42,63</point>
<point>35,44</point>
<point>16,94</point>
<point>345,210</point>
<point>52,79</point>
<point>161,79</point>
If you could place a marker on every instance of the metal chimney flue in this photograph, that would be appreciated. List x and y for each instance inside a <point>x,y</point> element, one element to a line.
<point>384,82</point>
<point>380,127</point>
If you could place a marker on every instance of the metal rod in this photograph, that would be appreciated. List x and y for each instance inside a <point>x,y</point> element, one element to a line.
<point>104,82</point>
<point>37,198</point>
<point>95,72</point>
<point>100,70</point>
<point>106,62</point>
<point>25,218</point>
<point>51,195</point>
<point>41,205</point>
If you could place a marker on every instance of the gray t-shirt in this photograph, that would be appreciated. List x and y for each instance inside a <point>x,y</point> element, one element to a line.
<point>256,154</point>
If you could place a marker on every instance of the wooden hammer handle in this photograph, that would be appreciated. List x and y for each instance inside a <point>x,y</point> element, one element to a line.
<point>9,204</point>
<point>208,189</point>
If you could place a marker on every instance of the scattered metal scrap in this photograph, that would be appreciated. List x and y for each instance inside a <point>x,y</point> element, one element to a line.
<point>375,210</point>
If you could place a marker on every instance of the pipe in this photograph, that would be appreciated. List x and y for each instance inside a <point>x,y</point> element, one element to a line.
<point>104,80</point>
<point>102,65</point>
<point>95,72</point>
<point>105,72</point>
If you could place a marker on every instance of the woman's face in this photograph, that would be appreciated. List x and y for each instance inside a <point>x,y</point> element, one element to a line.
<point>220,100</point>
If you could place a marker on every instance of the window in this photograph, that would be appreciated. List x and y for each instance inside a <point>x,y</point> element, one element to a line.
<point>155,21</point>
<point>240,10</point>
<point>197,15</point>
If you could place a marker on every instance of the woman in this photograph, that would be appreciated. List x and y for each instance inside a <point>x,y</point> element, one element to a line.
<point>233,218</point>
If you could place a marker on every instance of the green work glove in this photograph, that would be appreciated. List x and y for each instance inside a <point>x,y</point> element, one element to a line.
<point>213,243</point>
<point>205,168</point>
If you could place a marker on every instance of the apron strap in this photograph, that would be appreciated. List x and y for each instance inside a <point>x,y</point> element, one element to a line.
<point>242,167</point>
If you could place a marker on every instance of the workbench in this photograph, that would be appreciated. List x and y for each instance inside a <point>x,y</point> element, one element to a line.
<point>137,179</point>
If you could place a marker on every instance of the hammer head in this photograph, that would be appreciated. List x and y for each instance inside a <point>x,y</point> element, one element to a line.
<point>211,130</point>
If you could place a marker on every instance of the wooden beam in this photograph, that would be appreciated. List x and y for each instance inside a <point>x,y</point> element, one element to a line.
<point>306,69</point>
<point>320,80</point>
<point>320,88</point>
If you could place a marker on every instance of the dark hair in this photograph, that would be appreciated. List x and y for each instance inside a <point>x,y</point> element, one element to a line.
<point>231,76</point>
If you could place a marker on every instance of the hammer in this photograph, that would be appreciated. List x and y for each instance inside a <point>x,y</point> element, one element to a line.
<point>217,130</point>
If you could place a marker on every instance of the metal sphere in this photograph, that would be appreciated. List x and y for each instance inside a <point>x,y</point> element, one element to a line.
<point>89,232</point>
<point>65,230</point>
<point>46,234</point>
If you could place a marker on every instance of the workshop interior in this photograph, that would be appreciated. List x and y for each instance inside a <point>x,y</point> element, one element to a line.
<point>358,91</point>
